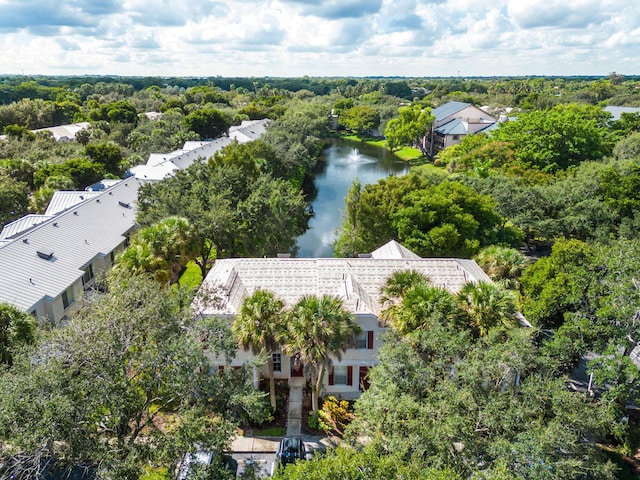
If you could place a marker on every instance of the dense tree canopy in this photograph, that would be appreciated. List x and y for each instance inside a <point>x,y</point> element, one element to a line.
<point>409,128</point>
<point>483,406</point>
<point>431,217</point>
<point>207,122</point>
<point>230,213</point>
<point>557,138</point>
<point>14,199</point>
<point>17,329</point>
<point>124,385</point>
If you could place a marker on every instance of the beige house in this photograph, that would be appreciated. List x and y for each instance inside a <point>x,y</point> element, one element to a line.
<point>357,281</point>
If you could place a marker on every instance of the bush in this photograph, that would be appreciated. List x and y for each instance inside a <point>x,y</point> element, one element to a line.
<point>334,416</point>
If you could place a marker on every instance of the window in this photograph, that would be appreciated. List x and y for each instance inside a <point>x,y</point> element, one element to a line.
<point>113,257</point>
<point>68,298</point>
<point>340,375</point>
<point>365,340</point>
<point>276,360</point>
<point>88,275</point>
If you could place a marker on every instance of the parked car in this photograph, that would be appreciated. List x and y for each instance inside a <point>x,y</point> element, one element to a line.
<point>290,450</point>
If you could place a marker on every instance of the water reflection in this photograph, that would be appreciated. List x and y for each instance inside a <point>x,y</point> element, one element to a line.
<point>341,163</point>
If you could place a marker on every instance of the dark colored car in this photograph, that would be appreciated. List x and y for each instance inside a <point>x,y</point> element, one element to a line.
<point>290,450</point>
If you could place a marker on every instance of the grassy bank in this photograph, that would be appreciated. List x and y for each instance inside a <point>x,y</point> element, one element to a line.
<point>407,154</point>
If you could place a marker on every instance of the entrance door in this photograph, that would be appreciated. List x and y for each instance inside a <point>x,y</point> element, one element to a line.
<point>296,366</point>
<point>364,378</point>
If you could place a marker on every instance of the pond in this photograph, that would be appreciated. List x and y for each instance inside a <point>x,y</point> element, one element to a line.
<point>339,165</point>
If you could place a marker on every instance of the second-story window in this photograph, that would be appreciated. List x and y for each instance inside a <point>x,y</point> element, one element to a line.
<point>276,360</point>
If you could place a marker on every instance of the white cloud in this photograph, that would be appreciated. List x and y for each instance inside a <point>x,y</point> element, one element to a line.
<point>319,37</point>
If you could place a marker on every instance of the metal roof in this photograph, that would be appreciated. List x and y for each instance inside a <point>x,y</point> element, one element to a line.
<point>102,184</point>
<point>248,130</point>
<point>162,165</point>
<point>67,132</point>
<point>453,127</point>
<point>448,109</point>
<point>76,236</point>
<point>62,200</point>
<point>22,224</point>
<point>356,280</point>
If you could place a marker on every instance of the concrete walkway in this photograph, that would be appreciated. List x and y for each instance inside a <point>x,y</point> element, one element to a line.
<point>250,445</point>
<point>294,414</point>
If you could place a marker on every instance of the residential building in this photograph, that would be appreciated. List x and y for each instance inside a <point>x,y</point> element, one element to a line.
<point>64,133</point>
<point>453,121</point>
<point>162,165</point>
<point>46,268</point>
<point>357,281</point>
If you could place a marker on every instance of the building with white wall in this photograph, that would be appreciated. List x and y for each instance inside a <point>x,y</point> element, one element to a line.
<point>357,281</point>
<point>46,268</point>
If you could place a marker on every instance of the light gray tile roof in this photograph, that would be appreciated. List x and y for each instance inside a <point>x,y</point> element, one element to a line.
<point>93,228</point>
<point>62,200</point>
<point>393,249</point>
<point>356,280</point>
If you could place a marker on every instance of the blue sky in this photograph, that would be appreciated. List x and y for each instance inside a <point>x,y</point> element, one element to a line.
<point>320,37</point>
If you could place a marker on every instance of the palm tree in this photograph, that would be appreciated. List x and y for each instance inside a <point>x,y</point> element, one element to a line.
<point>395,288</point>
<point>487,305</point>
<point>503,263</point>
<point>258,328</point>
<point>422,306</point>
<point>317,329</point>
<point>162,249</point>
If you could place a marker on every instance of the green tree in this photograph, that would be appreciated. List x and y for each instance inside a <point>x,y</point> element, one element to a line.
<point>361,119</point>
<point>82,171</point>
<point>19,170</point>
<point>558,284</point>
<point>272,217</point>
<point>162,250</point>
<point>259,327</point>
<point>17,328</point>
<point>502,264</point>
<point>409,128</point>
<point>351,464</point>
<point>556,139</point>
<point>430,216</point>
<point>14,199</point>
<point>124,384</point>
<point>487,305</point>
<point>207,122</point>
<point>480,406</point>
<point>317,329</point>
<point>628,147</point>
<point>107,154</point>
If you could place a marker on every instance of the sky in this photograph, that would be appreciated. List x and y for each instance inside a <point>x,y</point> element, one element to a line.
<point>294,38</point>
